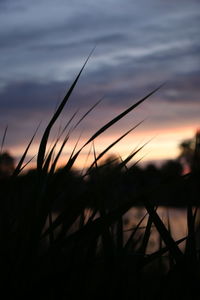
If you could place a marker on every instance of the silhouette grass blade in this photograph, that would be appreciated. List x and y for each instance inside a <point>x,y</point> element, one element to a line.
<point>48,159</point>
<point>58,155</point>
<point>19,166</point>
<point>129,241</point>
<point>43,143</point>
<point>95,156</point>
<point>85,115</point>
<point>146,237</point>
<point>124,162</point>
<point>113,144</point>
<point>190,249</point>
<point>164,233</point>
<point>151,257</point>
<point>120,116</point>
<point>70,120</point>
<point>108,125</point>
<point>28,162</point>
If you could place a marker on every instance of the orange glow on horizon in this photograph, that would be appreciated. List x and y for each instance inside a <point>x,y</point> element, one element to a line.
<point>163,146</point>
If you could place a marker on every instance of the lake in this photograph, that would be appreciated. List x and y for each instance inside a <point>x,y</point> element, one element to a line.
<point>174,218</point>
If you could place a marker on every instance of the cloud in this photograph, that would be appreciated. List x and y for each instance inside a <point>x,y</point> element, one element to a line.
<point>140,44</point>
<point>44,43</point>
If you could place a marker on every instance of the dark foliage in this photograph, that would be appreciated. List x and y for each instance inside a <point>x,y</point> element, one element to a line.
<point>63,234</point>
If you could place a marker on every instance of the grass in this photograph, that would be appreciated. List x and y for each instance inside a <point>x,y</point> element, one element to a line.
<point>73,254</point>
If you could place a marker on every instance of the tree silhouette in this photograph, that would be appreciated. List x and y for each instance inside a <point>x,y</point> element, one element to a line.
<point>7,165</point>
<point>190,153</point>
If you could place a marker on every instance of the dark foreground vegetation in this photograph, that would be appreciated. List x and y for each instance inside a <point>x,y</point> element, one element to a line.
<point>62,234</point>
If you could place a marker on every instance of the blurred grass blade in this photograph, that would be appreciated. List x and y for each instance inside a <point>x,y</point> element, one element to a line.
<point>93,214</point>
<point>146,237</point>
<point>190,249</point>
<point>137,162</point>
<point>151,257</point>
<point>86,160</point>
<point>119,234</point>
<point>3,139</point>
<point>164,233</point>
<point>125,166</point>
<point>129,241</point>
<point>95,157</point>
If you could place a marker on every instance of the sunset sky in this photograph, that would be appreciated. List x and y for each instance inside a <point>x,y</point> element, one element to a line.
<point>139,45</point>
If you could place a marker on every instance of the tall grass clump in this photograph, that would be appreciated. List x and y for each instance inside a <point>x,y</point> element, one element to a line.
<point>63,235</point>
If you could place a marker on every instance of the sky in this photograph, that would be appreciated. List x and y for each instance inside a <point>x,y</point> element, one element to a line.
<point>138,46</point>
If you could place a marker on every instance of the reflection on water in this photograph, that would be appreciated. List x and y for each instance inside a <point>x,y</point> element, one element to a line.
<point>175,219</point>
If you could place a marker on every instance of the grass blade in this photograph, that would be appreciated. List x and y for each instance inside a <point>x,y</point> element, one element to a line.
<point>3,139</point>
<point>112,145</point>
<point>19,166</point>
<point>120,116</point>
<point>43,143</point>
<point>129,241</point>
<point>151,257</point>
<point>58,155</point>
<point>24,166</point>
<point>164,233</point>
<point>190,250</point>
<point>85,115</point>
<point>146,237</point>
<point>108,125</point>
